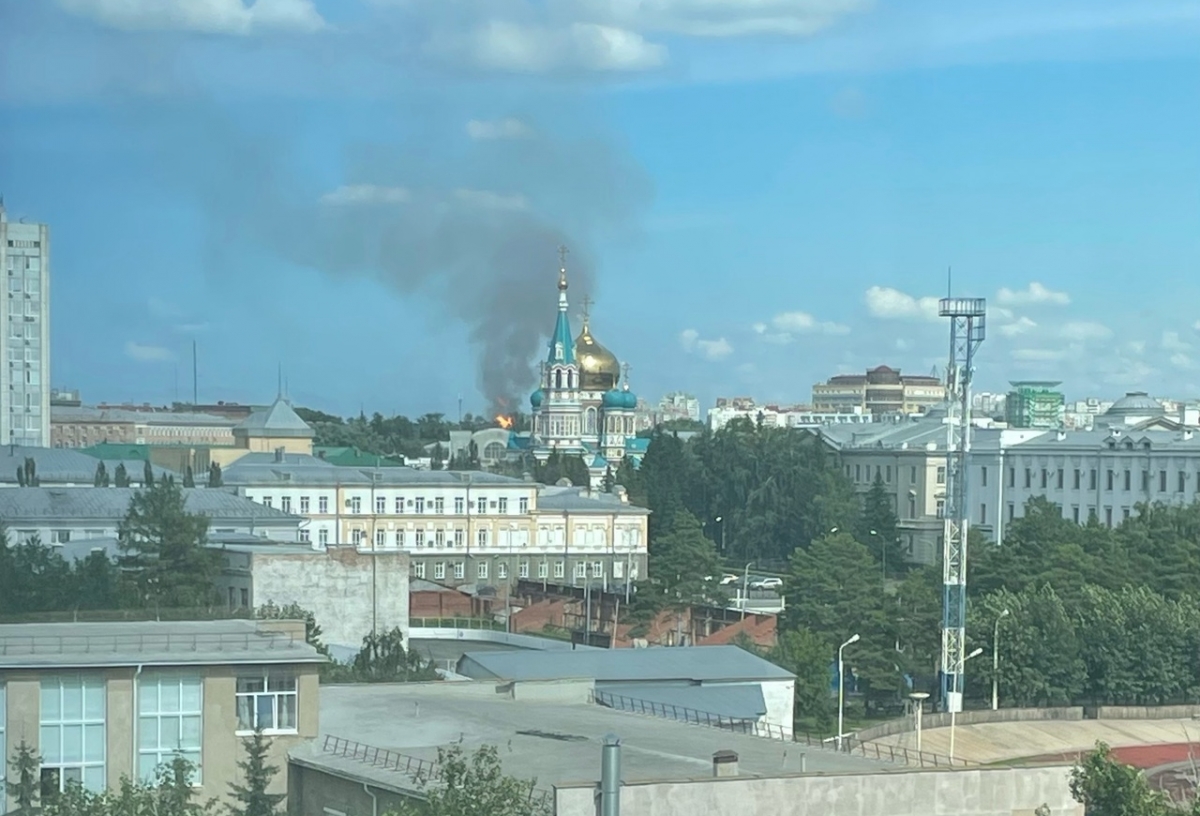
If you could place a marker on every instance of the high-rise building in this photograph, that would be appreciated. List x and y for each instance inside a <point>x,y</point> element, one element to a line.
<point>25,334</point>
<point>1034,404</point>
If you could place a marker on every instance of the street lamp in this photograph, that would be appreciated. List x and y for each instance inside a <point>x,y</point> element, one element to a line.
<point>721,520</point>
<point>996,661</point>
<point>842,688</point>
<point>954,709</point>
<point>746,588</point>
<point>919,698</point>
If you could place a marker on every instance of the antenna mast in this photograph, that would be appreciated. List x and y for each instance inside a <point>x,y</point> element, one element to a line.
<point>967,323</point>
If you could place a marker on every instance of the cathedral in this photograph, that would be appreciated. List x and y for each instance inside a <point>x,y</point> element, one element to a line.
<point>582,407</point>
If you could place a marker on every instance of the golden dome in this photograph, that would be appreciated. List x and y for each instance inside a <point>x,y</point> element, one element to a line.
<point>600,369</point>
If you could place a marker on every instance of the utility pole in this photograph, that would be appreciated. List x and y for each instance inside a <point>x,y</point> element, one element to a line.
<point>967,322</point>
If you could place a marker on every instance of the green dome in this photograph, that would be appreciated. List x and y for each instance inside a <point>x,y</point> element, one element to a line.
<point>535,399</point>
<point>613,399</point>
<point>629,400</point>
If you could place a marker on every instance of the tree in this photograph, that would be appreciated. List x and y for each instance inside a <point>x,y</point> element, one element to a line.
<point>101,477</point>
<point>630,478</point>
<point>31,477</point>
<point>1106,787</point>
<point>251,797</point>
<point>24,784</point>
<point>437,459</point>
<point>214,475</point>
<point>163,549</point>
<point>293,611</point>
<point>684,564</point>
<point>120,476</point>
<point>877,526</point>
<point>147,474</point>
<point>383,659</point>
<point>808,657</point>
<point>475,785</point>
<point>189,478</point>
<point>610,481</point>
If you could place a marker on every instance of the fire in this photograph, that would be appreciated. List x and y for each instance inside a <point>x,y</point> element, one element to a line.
<point>504,421</point>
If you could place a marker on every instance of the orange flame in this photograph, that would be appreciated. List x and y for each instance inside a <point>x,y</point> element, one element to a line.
<point>504,422</point>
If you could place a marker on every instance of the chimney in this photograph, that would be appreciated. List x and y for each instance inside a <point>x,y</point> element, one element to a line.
<point>725,764</point>
<point>278,455</point>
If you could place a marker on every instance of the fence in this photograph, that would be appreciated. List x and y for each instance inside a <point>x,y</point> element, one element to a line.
<point>33,645</point>
<point>850,745</point>
<point>456,623</point>
<point>422,771</point>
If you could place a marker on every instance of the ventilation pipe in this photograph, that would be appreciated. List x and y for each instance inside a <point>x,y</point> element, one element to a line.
<point>725,763</point>
<point>610,776</point>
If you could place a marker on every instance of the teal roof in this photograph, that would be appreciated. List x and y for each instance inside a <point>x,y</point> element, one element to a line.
<point>562,344</point>
<point>536,398</point>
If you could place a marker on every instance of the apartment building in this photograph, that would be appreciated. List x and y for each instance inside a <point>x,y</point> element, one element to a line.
<point>104,701</point>
<point>458,527</point>
<point>726,410</point>
<point>84,426</point>
<point>881,391</point>
<point>25,333</point>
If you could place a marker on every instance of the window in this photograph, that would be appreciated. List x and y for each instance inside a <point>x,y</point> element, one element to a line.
<point>1162,481</point>
<point>170,714</point>
<point>305,535</point>
<point>858,473</point>
<point>481,569</point>
<point>356,537</point>
<point>420,505</point>
<point>597,569</point>
<point>1058,479</point>
<point>439,570</point>
<point>356,505</point>
<point>72,735</point>
<point>267,701</point>
<point>1109,480</point>
<point>941,475</point>
<point>460,538</point>
<point>1125,514</point>
<point>878,473</point>
<point>266,500</point>
<point>888,474</point>
<point>439,538</point>
<point>1077,480</point>
<point>502,571</point>
<point>419,538</point>
<point>381,538</point>
<point>481,538</point>
<point>1179,479</point>
<point>912,507</point>
<point>245,598</point>
<point>912,474</point>
<point>60,536</point>
<point>983,514</point>
<point>323,504</point>
<point>1145,481</point>
<point>523,570</point>
<point>285,504</point>
<point>380,505</point>
<point>398,505</point>
<point>458,506</point>
<point>1128,480</point>
<point>1108,516</point>
<point>1045,473</point>
<point>1028,478</point>
<point>1091,480</point>
<point>323,536</point>
<point>1012,477</point>
<point>460,570</point>
<point>523,504</point>
<point>542,570</point>
<point>304,505</point>
<point>983,477</point>
<point>502,505</point>
<point>941,508</point>
<point>1010,511</point>
<point>439,505</point>
<point>581,569</point>
<point>1075,513</point>
<point>560,569</point>
<point>481,505</point>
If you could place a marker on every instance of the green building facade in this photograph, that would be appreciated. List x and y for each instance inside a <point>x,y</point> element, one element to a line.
<point>1034,404</point>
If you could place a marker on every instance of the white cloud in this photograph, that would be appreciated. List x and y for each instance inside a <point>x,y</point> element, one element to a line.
<point>723,18</point>
<point>355,195</point>
<point>1022,325</point>
<point>785,325</point>
<point>502,45</point>
<point>491,200</point>
<point>1181,360</point>
<point>490,129</point>
<point>206,16</point>
<point>1035,293</point>
<point>147,354</point>
<point>892,304</point>
<point>1083,331</point>
<point>714,350</point>
<point>1040,355</point>
<point>1171,341</point>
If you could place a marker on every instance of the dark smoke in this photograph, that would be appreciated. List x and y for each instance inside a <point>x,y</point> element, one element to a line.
<point>478,232</point>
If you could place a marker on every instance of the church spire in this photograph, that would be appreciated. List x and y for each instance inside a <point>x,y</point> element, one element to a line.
<point>562,343</point>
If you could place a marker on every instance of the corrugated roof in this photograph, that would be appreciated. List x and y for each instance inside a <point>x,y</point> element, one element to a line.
<point>59,413</point>
<point>29,504</point>
<point>689,703</point>
<point>278,420</point>
<point>688,663</point>
<point>299,468</point>
<point>152,643</point>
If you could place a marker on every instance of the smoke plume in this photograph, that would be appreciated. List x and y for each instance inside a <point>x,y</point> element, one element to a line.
<point>465,212</point>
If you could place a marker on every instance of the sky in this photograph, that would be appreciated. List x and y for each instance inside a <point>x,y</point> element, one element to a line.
<point>755,195</point>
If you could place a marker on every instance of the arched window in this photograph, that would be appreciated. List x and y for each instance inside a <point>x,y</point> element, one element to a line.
<point>558,379</point>
<point>493,451</point>
<point>589,421</point>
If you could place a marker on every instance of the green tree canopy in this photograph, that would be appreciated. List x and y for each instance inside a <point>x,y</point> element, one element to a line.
<point>475,785</point>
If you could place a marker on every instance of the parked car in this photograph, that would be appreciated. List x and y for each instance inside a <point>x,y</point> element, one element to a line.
<point>728,579</point>
<point>766,583</point>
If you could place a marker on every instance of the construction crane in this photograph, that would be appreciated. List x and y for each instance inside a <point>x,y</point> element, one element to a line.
<point>967,321</point>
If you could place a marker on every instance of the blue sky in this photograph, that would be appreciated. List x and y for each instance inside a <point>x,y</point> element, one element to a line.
<point>757,195</point>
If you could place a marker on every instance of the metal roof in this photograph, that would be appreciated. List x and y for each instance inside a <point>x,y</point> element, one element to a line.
<point>62,465</point>
<point>277,421</point>
<point>689,703</point>
<point>148,643</point>
<point>580,500</point>
<point>28,504</point>
<point>261,469</point>
<point>664,663</point>
<point>85,414</point>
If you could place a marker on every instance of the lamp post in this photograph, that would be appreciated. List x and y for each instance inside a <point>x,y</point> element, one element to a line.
<point>842,688</point>
<point>746,588</point>
<point>721,520</point>
<point>954,709</point>
<point>919,698</point>
<point>996,661</point>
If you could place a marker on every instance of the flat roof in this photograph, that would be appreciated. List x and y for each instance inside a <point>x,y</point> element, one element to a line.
<point>148,643</point>
<point>659,663</point>
<point>554,742</point>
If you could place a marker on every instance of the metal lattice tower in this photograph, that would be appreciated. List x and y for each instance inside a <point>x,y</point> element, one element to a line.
<point>967,320</point>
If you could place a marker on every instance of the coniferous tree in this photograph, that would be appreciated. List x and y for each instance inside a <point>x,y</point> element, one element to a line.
<point>474,785</point>
<point>20,475</point>
<point>189,479</point>
<point>31,477</point>
<point>214,475</point>
<point>163,549</point>
<point>101,478</point>
<point>24,783</point>
<point>437,458</point>
<point>251,797</point>
<point>147,474</point>
<point>120,476</point>
<point>610,481</point>
<point>877,526</point>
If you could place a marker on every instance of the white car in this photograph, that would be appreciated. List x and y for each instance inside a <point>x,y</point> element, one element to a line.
<point>767,583</point>
<point>726,580</point>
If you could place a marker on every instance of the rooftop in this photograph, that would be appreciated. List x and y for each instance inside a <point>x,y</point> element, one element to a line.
<point>83,413</point>
<point>54,503</point>
<point>554,741</point>
<point>581,500</point>
<point>691,663</point>
<point>277,421</point>
<point>148,643</point>
<point>63,465</point>
<point>263,469</point>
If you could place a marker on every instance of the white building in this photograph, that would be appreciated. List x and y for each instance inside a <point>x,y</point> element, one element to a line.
<point>25,334</point>
<point>775,416</point>
<point>678,405</point>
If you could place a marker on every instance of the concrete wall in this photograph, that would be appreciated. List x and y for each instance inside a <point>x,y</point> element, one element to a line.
<point>985,792</point>
<point>313,792</point>
<point>780,697</point>
<point>491,636</point>
<point>345,589</point>
<point>1180,712</point>
<point>942,720</point>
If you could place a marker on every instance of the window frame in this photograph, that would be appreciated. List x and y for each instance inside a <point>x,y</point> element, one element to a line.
<point>266,675</point>
<point>83,722</point>
<point>155,680</point>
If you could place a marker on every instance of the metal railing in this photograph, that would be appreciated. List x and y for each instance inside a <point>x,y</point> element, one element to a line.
<point>456,623</point>
<point>29,645</point>
<point>850,745</point>
<point>422,771</point>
